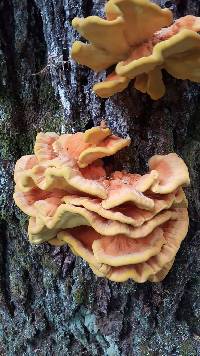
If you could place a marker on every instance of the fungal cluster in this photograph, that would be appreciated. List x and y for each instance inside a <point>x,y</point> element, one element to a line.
<point>124,225</point>
<point>141,39</point>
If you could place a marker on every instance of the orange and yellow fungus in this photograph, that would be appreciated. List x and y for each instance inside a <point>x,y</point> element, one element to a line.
<point>124,225</point>
<point>141,39</point>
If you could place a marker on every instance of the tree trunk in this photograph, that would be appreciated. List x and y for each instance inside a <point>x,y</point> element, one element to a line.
<point>50,301</point>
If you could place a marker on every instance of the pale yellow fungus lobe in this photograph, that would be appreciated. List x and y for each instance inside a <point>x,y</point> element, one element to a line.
<point>142,40</point>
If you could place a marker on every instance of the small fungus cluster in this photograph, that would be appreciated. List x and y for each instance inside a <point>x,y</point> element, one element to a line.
<point>141,39</point>
<point>124,225</point>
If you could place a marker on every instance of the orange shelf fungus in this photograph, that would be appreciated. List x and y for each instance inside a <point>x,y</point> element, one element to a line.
<point>124,225</point>
<point>141,39</point>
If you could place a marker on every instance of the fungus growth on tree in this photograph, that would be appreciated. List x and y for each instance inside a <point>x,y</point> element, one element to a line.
<point>124,225</point>
<point>141,39</point>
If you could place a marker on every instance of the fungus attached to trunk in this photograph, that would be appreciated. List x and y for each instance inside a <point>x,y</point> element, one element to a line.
<point>142,40</point>
<point>124,225</point>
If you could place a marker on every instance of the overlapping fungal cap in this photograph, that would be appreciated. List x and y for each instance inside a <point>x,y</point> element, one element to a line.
<point>141,39</point>
<point>123,224</point>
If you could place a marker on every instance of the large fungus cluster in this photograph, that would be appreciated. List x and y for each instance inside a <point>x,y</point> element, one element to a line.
<point>141,39</point>
<point>124,225</point>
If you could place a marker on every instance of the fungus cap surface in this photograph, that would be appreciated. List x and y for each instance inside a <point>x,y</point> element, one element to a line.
<point>173,173</point>
<point>175,231</point>
<point>128,213</point>
<point>49,175</point>
<point>44,227</point>
<point>120,250</point>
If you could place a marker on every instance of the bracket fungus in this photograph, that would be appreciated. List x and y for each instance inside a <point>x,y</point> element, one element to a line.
<point>141,39</point>
<point>124,225</point>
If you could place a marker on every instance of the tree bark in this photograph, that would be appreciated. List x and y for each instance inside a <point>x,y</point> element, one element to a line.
<point>50,301</point>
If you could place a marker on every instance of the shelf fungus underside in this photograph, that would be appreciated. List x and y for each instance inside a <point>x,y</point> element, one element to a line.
<point>124,225</point>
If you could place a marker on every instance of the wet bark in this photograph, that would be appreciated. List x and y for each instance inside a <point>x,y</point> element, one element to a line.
<point>50,302</point>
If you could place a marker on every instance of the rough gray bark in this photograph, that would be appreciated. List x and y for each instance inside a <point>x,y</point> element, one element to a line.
<point>50,302</point>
